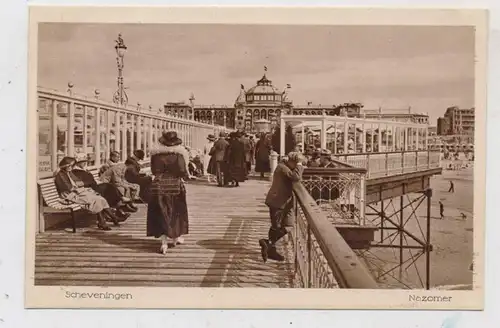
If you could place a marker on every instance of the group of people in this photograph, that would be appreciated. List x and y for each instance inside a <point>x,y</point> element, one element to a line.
<point>228,158</point>
<point>112,198</point>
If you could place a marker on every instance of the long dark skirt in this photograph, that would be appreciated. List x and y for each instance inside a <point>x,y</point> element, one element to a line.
<point>238,172</point>
<point>107,190</point>
<point>262,166</point>
<point>168,215</point>
<point>212,167</point>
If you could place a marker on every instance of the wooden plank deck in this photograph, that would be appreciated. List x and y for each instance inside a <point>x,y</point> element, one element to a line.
<point>221,249</point>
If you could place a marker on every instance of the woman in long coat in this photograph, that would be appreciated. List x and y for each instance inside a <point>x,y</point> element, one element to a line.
<point>262,152</point>
<point>72,188</point>
<point>235,159</point>
<point>167,216</point>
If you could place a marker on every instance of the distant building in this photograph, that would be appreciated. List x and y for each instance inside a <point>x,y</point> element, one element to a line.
<point>398,115</point>
<point>442,126</point>
<point>264,101</point>
<point>460,121</point>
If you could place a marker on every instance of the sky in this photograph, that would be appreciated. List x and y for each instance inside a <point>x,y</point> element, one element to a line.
<point>392,67</point>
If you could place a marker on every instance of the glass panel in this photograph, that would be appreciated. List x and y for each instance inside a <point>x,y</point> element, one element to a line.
<point>130,135</point>
<point>79,129</point>
<point>91,135</point>
<point>44,135</point>
<point>62,130</point>
<point>103,122</point>
<point>121,131</point>
<point>112,135</point>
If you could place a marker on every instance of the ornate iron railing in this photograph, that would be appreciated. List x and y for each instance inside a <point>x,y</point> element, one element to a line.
<point>323,259</point>
<point>339,193</point>
<point>393,163</point>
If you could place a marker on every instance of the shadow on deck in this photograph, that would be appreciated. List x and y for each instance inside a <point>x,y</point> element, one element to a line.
<point>221,249</point>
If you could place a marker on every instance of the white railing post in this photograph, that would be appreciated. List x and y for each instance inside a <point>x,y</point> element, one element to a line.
<point>273,159</point>
<point>362,193</point>
<point>118,133</point>
<point>97,161</point>
<point>54,136</point>
<point>71,129</point>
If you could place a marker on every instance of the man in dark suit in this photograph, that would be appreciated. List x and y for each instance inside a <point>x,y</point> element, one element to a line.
<point>219,150</point>
<point>133,174</point>
<point>279,200</point>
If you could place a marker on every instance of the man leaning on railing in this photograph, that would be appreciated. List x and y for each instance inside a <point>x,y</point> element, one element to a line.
<point>279,201</point>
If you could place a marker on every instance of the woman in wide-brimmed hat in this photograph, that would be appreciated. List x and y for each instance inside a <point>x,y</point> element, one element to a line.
<point>107,190</point>
<point>167,216</point>
<point>73,189</point>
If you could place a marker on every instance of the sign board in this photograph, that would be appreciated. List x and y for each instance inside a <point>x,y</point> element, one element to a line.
<point>44,164</point>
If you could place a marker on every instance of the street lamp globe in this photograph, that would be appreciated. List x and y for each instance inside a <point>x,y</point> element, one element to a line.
<point>120,47</point>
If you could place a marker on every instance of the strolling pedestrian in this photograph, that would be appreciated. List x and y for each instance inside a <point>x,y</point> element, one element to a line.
<point>441,210</point>
<point>279,200</point>
<point>167,216</point>
<point>452,187</point>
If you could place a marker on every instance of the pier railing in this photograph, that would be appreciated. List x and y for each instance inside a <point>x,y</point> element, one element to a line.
<point>323,259</point>
<point>392,163</point>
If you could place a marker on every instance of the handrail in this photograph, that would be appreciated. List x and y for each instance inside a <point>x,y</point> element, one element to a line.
<point>81,100</point>
<point>388,152</point>
<point>347,269</point>
<point>332,170</point>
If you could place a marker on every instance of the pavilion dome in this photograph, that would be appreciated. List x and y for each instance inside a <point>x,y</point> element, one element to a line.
<point>264,91</point>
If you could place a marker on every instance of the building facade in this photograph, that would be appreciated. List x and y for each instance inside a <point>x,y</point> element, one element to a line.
<point>264,101</point>
<point>457,121</point>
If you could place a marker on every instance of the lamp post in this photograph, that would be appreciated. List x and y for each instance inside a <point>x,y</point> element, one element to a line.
<point>213,116</point>
<point>120,97</point>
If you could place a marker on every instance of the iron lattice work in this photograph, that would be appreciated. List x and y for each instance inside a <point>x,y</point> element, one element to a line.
<point>339,193</point>
<point>400,256</point>
<point>311,267</point>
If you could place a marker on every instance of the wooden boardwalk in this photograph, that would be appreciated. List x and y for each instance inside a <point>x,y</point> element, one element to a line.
<point>221,249</point>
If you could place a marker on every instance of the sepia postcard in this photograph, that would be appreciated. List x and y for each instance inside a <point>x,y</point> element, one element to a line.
<point>256,158</point>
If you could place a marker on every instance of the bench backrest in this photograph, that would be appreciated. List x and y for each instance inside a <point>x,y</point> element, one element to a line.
<point>49,191</point>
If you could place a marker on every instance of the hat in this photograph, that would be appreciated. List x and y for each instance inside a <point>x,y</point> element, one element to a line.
<point>139,153</point>
<point>81,157</point>
<point>211,137</point>
<point>170,138</point>
<point>66,161</point>
<point>325,152</point>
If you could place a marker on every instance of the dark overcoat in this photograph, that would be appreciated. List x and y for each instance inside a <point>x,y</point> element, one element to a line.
<point>236,160</point>
<point>167,211</point>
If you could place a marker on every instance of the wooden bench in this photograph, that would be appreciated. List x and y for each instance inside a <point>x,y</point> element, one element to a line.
<point>49,197</point>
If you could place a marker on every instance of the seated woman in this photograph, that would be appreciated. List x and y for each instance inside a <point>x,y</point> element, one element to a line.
<point>107,190</point>
<point>71,188</point>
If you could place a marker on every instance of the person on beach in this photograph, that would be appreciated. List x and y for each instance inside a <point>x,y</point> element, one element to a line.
<point>279,200</point>
<point>452,187</point>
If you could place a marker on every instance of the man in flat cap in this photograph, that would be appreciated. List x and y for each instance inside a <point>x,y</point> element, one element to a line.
<point>325,159</point>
